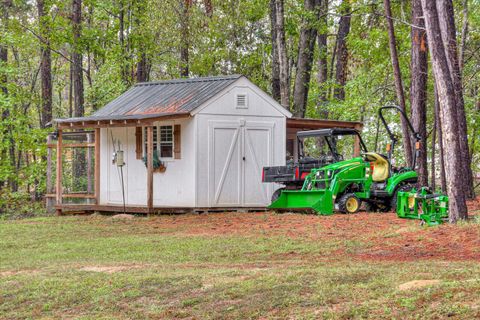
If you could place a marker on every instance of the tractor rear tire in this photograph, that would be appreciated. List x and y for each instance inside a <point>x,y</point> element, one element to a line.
<point>402,188</point>
<point>349,203</point>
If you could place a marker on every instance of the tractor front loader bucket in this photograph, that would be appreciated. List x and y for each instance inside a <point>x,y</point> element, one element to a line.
<point>320,201</point>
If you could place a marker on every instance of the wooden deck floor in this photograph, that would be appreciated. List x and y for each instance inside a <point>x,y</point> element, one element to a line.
<point>90,208</point>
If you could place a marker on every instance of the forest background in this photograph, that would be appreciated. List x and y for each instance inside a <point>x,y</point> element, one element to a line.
<point>320,59</point>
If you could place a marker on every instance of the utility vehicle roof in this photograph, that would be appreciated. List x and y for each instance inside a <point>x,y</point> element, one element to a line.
<point>327,132</point>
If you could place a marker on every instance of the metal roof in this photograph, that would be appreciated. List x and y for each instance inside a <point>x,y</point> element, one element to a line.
<point>327,132</point>
<point>159,98</point>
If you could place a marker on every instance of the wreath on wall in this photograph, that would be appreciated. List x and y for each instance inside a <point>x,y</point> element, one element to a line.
<point>158,165</point>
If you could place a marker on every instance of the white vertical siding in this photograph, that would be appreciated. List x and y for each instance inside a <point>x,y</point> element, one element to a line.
<point>207,142</point>
<point>173,188</point>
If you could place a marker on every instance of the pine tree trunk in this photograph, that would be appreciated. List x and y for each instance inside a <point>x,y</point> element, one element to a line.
<point>306,47</point>
<point>208,7</point>
<point>322,73</point>
<point>45,66</point>
<point>281,47</point>
<point>463,42</point>
<point>418,87</point>
<point>121,38</point>
<point>398,82</point>
<point>448,31</point>
<point>142,69</point>
<point>5,7</point>
<point>443,182</point>
<point>275,59</point>
<point>342,51</point>
<point>77,57</point>
<point>78,98</point>
<point>433,155</point>
<point>185,35</point>
<point>448,114</point>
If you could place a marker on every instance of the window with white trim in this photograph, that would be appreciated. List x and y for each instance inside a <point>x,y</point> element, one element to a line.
<point>166,142</point>
<point>162,141</point>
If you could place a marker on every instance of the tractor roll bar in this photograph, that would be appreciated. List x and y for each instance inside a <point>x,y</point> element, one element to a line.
<point>415,135</point>
<point>330,132</point>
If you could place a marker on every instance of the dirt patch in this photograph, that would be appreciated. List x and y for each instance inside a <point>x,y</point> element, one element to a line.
<point>362,236</point>
<point>122,216</point>
<point>9,273</point>
<point>110,269</point>
<point>415,284</point>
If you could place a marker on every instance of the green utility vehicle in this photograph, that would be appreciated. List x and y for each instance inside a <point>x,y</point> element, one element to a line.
<point>342,186</point>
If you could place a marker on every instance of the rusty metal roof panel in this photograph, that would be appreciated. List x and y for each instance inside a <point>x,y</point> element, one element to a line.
<point>160,98</point>
<point>164,97</point>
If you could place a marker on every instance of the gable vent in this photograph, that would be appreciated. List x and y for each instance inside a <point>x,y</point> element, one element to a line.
<point>242,101</point>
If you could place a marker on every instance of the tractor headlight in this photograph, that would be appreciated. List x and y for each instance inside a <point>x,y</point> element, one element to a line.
<point>330,173</point>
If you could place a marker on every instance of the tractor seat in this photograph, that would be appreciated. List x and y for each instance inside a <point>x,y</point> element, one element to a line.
<point>381,167</point>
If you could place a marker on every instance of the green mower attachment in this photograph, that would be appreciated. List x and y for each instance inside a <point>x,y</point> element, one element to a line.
<point>431,208</point>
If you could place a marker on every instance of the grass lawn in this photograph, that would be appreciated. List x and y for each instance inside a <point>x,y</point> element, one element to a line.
<point>238,266</point>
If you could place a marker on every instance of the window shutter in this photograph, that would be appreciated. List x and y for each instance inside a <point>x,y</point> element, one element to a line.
<point>138,142</point>
<point>177,141</point>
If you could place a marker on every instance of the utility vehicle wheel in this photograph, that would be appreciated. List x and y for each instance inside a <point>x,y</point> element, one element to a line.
<point>277,194</point>
<point>349,203</point>
<point>403,188</point>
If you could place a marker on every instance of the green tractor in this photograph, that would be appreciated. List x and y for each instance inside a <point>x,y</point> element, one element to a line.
<point>342,186</point>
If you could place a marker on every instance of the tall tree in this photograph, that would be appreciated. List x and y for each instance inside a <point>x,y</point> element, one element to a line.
<point>9,143</point>
<point>281,46</point>
<point>77,60</point>
<point>306,47</point>
<point>5,7</point>
<point>438,125</point>
<point>322,73</point>
<point>398,80</point>
<point>123,13</point>
<point>463,43</point>
<point>275,59</point>
<point>448,114</point>
<point>418,86</point>
<point>341,50</point>
<point>185,37</point>
<point>142,68</point>
<point>208,7</point>
<point>45,65</point>
<point>448,30</point>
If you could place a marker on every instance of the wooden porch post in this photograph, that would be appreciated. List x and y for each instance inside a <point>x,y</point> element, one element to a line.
<point>89,165</point>
<point>59,172</point>
<point>356,147</point>
<point>97,166</point>
<point>50,202</point>
<point>150,169</point>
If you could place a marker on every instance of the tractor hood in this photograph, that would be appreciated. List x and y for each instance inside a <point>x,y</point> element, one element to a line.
<point>344,164</point>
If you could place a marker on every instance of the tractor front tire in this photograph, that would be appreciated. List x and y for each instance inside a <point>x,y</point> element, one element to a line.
<point>402,188</point>
<point>349,203</point>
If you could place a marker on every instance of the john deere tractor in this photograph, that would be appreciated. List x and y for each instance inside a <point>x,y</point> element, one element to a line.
<point>342,186</point>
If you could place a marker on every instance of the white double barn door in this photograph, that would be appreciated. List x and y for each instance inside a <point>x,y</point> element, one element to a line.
<point>238,150</point>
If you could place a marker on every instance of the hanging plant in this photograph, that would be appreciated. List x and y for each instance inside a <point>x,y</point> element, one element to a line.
<point>158,165</point>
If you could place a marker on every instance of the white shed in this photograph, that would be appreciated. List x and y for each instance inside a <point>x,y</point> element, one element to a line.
<point>210,138</point>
